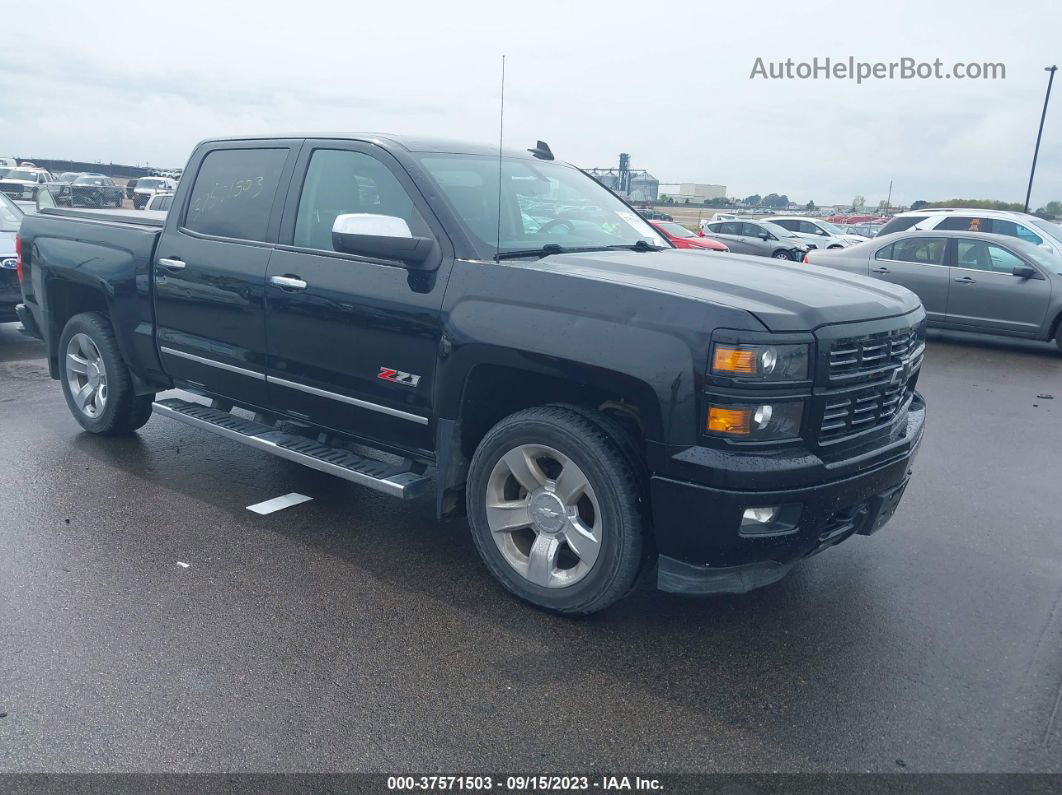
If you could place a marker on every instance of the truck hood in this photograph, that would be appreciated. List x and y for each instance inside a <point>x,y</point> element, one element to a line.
<point>782,296</point>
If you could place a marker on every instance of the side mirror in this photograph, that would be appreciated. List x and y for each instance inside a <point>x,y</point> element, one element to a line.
<point>1025,272</point>
<point>764,236</point>
<point>383,236</point>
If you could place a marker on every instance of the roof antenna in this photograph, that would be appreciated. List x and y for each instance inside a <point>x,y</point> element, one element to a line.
<point>542,151</point>
<point>501,133</point>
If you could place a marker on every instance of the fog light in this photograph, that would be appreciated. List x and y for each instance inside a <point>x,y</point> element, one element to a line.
<point>759,515</point>
<point>770,520</point>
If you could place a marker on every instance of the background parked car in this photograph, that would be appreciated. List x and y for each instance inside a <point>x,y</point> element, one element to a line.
<point>10,292</point>
<point>160,202</point>
<point>865,231</point>
<point>649,214</point>
<point>995,222</point>
<point>758,237</point>
<point>821,233</point>
<point>966,280</point>
<point>681,237</point>
<point>94,190</point>
<point>23,183</point>
<point>129,186</point>
<point>146,187</point>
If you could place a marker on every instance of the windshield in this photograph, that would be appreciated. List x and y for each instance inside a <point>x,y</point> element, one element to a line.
<point>833,229</point>
<point>90,181</point>
<point>149,184</point>
<point>1051,228</point>
<point>774,229</point>
<point>10,215</point>
<point>543,203</point>
<point>675,230</point>
<point>68,176</point>
<point>18,173</point>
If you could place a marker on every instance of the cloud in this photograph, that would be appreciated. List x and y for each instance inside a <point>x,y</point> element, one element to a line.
<point>136,82</point>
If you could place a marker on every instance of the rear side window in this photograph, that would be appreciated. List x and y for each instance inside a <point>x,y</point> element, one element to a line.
<point>901,223</point>
<point>923,250</point>
<point>233,193</point>
<point>966,223</point>
<point>884,253</point>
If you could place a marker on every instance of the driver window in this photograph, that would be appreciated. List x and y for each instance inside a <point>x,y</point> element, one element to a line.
<point>340,182</point>
<point>752,230</point>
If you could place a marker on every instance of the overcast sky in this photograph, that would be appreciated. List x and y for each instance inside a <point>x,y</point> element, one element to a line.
<point>137,82</point>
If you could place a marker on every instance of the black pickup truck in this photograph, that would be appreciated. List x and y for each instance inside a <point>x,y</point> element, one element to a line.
<point>417,315</point>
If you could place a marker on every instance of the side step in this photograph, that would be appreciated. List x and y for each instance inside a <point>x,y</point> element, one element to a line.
<point>377,475</point>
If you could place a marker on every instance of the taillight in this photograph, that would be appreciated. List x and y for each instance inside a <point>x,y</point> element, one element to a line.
<point>18,257</point>
<point>806,262</point>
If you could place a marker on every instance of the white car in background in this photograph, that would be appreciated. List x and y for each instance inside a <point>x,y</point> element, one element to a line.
<point>715,219</point>
<point>822,233</point>
<point>24,182</point>
<point>994,222</point>
<point>146,187</point>
<point>160,201</point>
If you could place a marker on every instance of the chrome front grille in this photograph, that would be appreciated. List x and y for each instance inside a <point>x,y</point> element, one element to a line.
<point>862,409</point>
<point>851,358</point>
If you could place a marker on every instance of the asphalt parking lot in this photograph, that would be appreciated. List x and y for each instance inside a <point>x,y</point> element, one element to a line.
<point>353,632</point>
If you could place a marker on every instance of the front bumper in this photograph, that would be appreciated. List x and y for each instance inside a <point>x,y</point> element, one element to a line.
<point>698,527</point>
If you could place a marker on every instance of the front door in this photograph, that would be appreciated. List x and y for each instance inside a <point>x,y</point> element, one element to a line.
<point>918,264</point>
<point>353,340</point>
<point>986,294</point>
<point>210,269</point>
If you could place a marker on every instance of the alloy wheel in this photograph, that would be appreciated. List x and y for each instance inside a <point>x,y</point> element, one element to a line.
<point>86,375</point>
<point>544,516</point>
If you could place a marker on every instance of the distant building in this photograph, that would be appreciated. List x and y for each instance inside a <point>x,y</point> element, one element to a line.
<point>695,192</point>
<point>634,185</point>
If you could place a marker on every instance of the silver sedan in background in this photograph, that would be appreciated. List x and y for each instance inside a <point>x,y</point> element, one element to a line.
<point>967,280</point>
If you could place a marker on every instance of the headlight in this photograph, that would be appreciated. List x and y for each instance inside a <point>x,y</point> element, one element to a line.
<point>760,362</point>
<point>755,422</point>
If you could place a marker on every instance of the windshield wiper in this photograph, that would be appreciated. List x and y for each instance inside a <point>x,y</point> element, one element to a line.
<point>555,248</point>
<point>545,251</point>
<point>641,245</point>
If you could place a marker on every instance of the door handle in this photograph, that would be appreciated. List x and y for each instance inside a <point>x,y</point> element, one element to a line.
<point>172,264</point>
<point>288,282</point>
<point>966,280</point>
<point>880,270</point>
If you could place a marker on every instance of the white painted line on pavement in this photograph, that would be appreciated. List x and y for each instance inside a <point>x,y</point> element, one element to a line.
<point>278,503</point>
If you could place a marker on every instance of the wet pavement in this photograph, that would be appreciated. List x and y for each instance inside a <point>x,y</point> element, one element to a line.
<point>353,632</point>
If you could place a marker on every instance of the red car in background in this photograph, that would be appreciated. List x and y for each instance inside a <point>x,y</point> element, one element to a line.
<point>682,237</point>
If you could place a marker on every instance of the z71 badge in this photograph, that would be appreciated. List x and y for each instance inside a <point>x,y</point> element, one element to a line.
<point>398,377</point>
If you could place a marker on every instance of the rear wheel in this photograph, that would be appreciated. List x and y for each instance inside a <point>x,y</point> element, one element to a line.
<point>96,382</point>
<point>553,503</point>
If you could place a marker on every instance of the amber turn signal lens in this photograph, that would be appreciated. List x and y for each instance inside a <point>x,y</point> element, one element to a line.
<point>735,422</point>
<point>734,360</point>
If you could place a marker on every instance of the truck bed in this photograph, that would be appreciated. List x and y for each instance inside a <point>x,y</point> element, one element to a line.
<point>155,218</point>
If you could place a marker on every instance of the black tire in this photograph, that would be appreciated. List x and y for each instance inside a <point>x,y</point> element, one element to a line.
<point>612,475</point>
<point>782,254</point>
<point>1058,336</point>
<point>123,411</point>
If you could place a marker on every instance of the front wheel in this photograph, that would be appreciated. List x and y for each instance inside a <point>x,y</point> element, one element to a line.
<point>1058,336</point>
<point>96,382</point>
<point>555,510</point>
<point>780,254</point>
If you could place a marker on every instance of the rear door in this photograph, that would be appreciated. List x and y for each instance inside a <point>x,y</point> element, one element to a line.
<point>917,263</point>
<point>729,232</point>
<point>353,345</point>
<point>210,268</point>
<point>985,293</point>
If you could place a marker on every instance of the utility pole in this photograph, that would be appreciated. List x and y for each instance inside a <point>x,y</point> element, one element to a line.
<point>888,201</point>
<point>1036,151</point>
